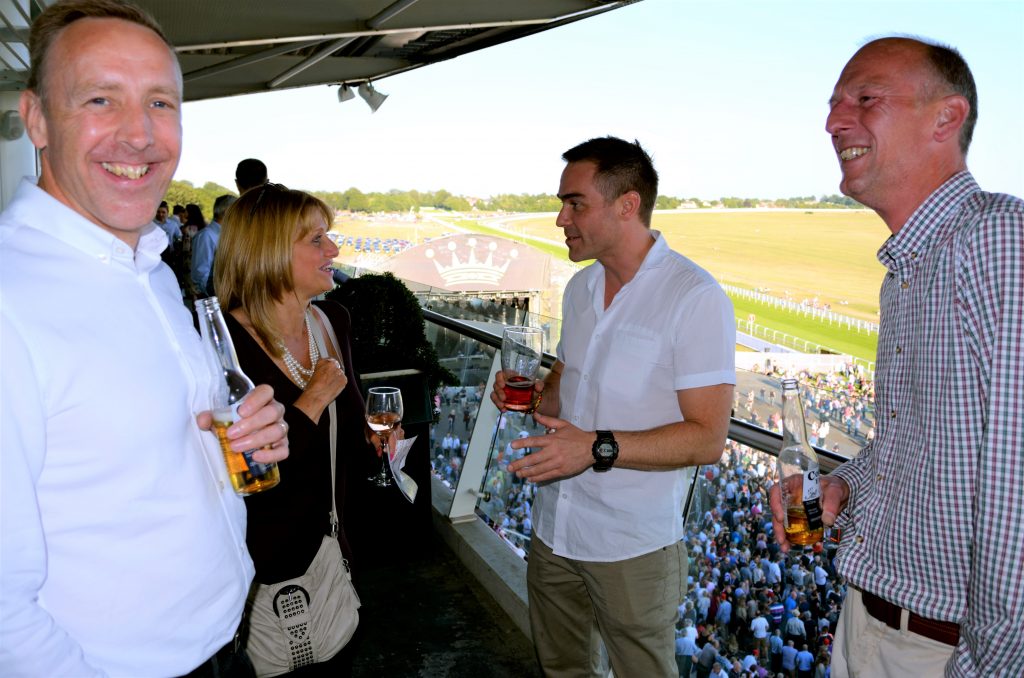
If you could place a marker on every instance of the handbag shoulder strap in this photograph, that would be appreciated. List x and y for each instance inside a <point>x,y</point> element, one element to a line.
<point>318,336</point>
<point>330,333</point>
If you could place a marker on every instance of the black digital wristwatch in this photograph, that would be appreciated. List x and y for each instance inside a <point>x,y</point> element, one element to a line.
<point>605,451</point>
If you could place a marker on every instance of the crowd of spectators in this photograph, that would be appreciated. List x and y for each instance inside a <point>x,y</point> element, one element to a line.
<point>838,404</point>
<point>749,608</point>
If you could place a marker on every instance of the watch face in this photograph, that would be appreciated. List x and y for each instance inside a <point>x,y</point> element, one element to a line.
<point>605,451</point>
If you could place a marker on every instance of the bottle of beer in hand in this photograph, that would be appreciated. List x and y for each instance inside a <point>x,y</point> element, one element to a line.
<point>798,472</point>
<point>229,388</point>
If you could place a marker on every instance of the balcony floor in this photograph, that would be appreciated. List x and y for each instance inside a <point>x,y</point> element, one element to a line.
<point>424,615</point>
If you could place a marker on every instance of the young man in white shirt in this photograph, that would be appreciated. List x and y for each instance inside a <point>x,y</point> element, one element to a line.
<point>640,394</point>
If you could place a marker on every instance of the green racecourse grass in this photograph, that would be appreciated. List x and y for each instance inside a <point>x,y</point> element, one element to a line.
<point>828,254</point>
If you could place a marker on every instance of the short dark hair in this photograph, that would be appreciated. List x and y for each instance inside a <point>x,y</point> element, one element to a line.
<point>952,69</point>
<point>163,203</point>
<point>621,167</point>
<point>60,15</point>
<point>221,205</point>
<point>250,173</point>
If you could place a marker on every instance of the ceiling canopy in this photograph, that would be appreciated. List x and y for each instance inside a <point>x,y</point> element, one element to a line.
<point>228,48</point>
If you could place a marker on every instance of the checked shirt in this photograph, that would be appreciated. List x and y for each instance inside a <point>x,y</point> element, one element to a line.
<point>934,520</point>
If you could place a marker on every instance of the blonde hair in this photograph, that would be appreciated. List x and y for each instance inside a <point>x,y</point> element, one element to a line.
<point>253,264</point>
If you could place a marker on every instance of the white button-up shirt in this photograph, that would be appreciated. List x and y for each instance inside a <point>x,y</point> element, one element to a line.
<point>668,329</point>
<point>123,544</point>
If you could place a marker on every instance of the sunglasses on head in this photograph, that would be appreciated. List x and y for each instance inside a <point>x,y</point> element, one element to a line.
<point>263,189</point>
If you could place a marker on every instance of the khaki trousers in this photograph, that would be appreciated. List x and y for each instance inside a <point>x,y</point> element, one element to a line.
<point>631,604</point>
<point>868,648</point>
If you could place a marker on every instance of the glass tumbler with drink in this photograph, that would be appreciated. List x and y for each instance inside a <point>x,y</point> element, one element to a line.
<point>521,352</point>
<point>229,388</point>
<point>384,412</point>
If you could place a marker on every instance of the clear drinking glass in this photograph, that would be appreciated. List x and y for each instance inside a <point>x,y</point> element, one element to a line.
<point>521,352</point>
<point>383,413</point>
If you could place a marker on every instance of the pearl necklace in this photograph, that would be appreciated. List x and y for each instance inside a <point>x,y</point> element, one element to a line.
<point>300,374</point>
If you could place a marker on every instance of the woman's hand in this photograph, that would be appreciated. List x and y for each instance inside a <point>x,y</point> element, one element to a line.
<point>398,433</point>
<point>327,382</point>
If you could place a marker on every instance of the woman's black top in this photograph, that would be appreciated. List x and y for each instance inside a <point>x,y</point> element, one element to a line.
<point>286,524</point>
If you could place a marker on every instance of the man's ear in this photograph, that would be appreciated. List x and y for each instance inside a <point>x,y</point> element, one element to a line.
<point>30,106</point>
<point>629,204</point>
<point>952,115</point>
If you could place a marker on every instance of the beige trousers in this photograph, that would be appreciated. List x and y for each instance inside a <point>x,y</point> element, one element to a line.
<point>868,648</point>
<point>631,604</point>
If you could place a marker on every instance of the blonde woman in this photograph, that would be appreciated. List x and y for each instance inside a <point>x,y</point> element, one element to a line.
<point>274,257</point>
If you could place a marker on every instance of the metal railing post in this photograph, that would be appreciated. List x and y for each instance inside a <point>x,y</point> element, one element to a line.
<point>474,467</point>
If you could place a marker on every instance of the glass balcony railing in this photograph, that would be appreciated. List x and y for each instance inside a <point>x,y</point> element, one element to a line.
<point>471,449</point>
<point>726,515</point>
<point>727,520</point>
<point>838,406</point>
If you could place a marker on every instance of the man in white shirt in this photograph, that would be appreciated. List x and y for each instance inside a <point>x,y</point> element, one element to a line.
<point>122,544</point>
<point>204,247</point>
<point>640,394</point>
<point>759,627</point>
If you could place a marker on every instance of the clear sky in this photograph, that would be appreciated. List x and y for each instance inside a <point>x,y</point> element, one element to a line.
<point>729,96</point>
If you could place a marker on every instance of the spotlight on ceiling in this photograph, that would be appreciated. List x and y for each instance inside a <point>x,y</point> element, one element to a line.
<point>345,93</point>
<point>372,97</point>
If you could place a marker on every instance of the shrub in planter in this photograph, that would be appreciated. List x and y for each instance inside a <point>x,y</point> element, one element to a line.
<point>387,328</point>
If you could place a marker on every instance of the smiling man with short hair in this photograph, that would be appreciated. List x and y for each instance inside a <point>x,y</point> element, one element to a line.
<point>123,544</point>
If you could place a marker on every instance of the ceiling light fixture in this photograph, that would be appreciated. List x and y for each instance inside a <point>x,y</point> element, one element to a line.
<point>372,97</point>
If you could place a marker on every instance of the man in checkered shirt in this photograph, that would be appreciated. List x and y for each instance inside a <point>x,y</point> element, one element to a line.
<point>933,544</point>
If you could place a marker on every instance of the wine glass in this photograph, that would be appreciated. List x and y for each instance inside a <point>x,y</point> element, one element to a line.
<point>383,413</point>
<point>521,352</point>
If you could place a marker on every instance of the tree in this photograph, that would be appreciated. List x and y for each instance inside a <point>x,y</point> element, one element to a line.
<point>456,203</point>
<point>183,193</point>
<point>665,202</point>
<point>217,190</point>
<point>356,201</point>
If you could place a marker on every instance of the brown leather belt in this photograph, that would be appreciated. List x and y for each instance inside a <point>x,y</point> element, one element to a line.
<point>884,611</point>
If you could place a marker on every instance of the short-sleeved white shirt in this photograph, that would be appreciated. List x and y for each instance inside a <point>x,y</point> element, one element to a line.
<point>669,328</point>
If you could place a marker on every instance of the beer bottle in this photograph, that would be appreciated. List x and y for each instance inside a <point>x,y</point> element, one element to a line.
<point>229,388</point>
<point>798,472</point>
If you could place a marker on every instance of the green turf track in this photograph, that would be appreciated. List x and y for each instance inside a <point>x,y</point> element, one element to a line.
<point>835,337</point>
<point>860,345</point>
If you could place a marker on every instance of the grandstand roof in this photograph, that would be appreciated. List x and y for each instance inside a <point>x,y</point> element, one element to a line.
<point>232,47</point>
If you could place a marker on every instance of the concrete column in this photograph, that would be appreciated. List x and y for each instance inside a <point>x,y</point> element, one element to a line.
<point>17,156</point>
